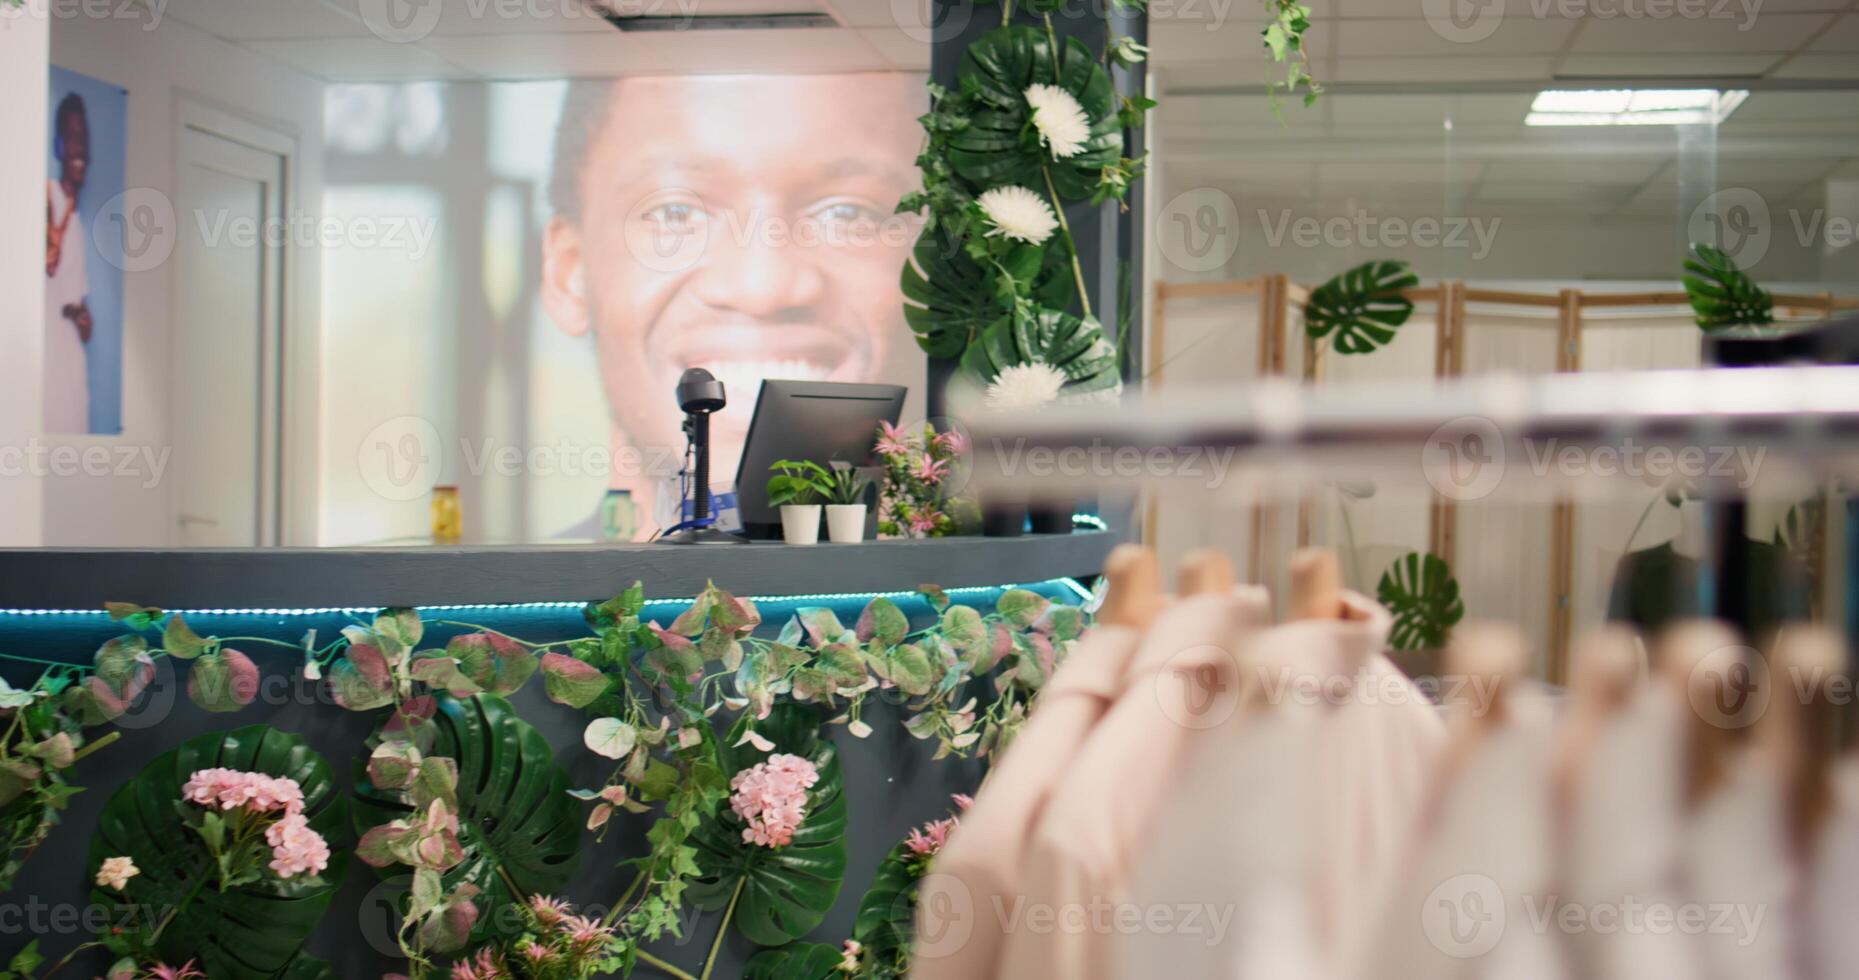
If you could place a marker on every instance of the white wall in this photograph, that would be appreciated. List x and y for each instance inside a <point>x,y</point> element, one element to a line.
<point>162,69</point>
<point>23,77</point>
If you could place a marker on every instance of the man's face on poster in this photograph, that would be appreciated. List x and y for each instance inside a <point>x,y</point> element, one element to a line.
<point>74,154</point>
<point>744,225</point>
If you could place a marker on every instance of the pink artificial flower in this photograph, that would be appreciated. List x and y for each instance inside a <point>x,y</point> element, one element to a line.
<point>930,470</point>
<point>952,442</point>
<point>295,848</point>
<point>186,971</point>
<point>962,801</point>
<point>548,911</point>
<point>849,956</point>
<point>230,789</point>
<point>586,933</point>
<point>891,440</point>
<point>929,840</point>
<point>923,522</point>
<point>115,872</point>
<point>771,797</point>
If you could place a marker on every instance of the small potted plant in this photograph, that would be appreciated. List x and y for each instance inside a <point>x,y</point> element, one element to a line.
<point>797,487</point>
<point>845,505</point>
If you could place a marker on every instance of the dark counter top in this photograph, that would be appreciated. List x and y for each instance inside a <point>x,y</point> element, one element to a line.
<point>84,578</point>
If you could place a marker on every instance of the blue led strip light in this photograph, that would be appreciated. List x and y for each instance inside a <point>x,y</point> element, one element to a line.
<point>1071,584</point>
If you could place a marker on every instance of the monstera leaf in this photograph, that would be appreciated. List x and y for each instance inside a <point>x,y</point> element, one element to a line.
<point>1075,347</point>
<point>786,891</point>
<point>886,916</point>
<point>253,930</point>
<point>1424,597</point>
<point>795,961</point>
<point>949,297</point>
<point>516,822</point>
<point>999,145</point>
<point>1722,295</point>
<point>1362,307</point>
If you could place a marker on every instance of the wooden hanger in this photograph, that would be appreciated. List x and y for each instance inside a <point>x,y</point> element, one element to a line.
<point>1802,727</point>
<point>1135,593</point>
<point>1205,571</point>
<point>1693,657</point>
<point>1606,673</point>
<point>1491,658</point>
<point>1316,585</point>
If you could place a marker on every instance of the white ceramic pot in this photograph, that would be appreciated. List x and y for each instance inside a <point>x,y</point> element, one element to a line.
<point>800,523</point>
<point>845,523</point>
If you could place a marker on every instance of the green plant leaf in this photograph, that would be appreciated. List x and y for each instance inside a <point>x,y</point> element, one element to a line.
<point>224,680</point>
<point>1075,347</point>
<point>882,620</point>
<point>1723,296</point>
<point>787,891</point>
<point>885,922</point>
<point>1424,597</point>
<point>950,297</point>
<point>180,640</point>
<point>999,145</point>
<point>795,961</point>
<point>572,682</point>
<point>515,817</point>
<point>1021,608</point>
<point>252,930</point>
<point>1362,307</point>
<point>962,628</point>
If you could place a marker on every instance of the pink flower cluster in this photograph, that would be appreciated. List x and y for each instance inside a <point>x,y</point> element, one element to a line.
<point>934,834</point>
<point>771,797</point>
<point>295,848</point>
<point>230,789</point>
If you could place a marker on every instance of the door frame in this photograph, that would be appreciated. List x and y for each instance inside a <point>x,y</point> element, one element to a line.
<point>286,396</point>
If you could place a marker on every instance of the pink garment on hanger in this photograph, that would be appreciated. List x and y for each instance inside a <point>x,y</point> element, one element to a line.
<point>1480,872</point>
<point>1625,821</point>
<point>959,933</point>
<point>1829,937</point>
<point>1737,866</point>
<point>1295,813</point>
<point>1376,758</point>
<point>1099,816</point>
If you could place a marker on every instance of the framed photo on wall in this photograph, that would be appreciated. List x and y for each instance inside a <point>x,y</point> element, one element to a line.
<point>85,176</point>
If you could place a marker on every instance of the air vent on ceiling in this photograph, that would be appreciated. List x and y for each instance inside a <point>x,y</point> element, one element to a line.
<point>719,22</point>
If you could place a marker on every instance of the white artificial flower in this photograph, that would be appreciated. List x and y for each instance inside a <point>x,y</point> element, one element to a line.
<point>1060,120</point>
<point>1024,386</point>
<point>1018,213</point>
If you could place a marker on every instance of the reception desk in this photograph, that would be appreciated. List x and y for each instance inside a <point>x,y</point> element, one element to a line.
<point>51,611</point>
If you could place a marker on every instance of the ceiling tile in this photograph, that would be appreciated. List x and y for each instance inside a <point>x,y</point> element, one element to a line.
<point>548,55</point>
<point>899,48</point>
<point>1442,69</point>
<point>359,59</point>
<point>1832,66</point>
<point>242,20</point>
<point>1409,38</point>
<point>1842,36</point>
<point>1679,35</point>
<point>1668,65</point>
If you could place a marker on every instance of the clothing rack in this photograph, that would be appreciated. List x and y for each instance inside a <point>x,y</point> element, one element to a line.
<point>1800,409</point>
<point>1285,440</point>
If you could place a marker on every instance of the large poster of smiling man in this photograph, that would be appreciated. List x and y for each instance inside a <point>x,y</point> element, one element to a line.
<point>740,224</point>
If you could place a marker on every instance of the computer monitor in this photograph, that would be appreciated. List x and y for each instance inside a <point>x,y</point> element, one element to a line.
<point>818,420</point>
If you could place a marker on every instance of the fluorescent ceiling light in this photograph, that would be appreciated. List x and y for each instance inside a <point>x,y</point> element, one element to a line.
<point>1630,107</point>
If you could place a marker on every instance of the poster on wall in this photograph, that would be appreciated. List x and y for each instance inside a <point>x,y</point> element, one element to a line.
<point>616,233</point>
<point>83,256</point>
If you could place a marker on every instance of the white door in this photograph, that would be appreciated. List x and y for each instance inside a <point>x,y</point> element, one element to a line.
<point>228,276</point>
